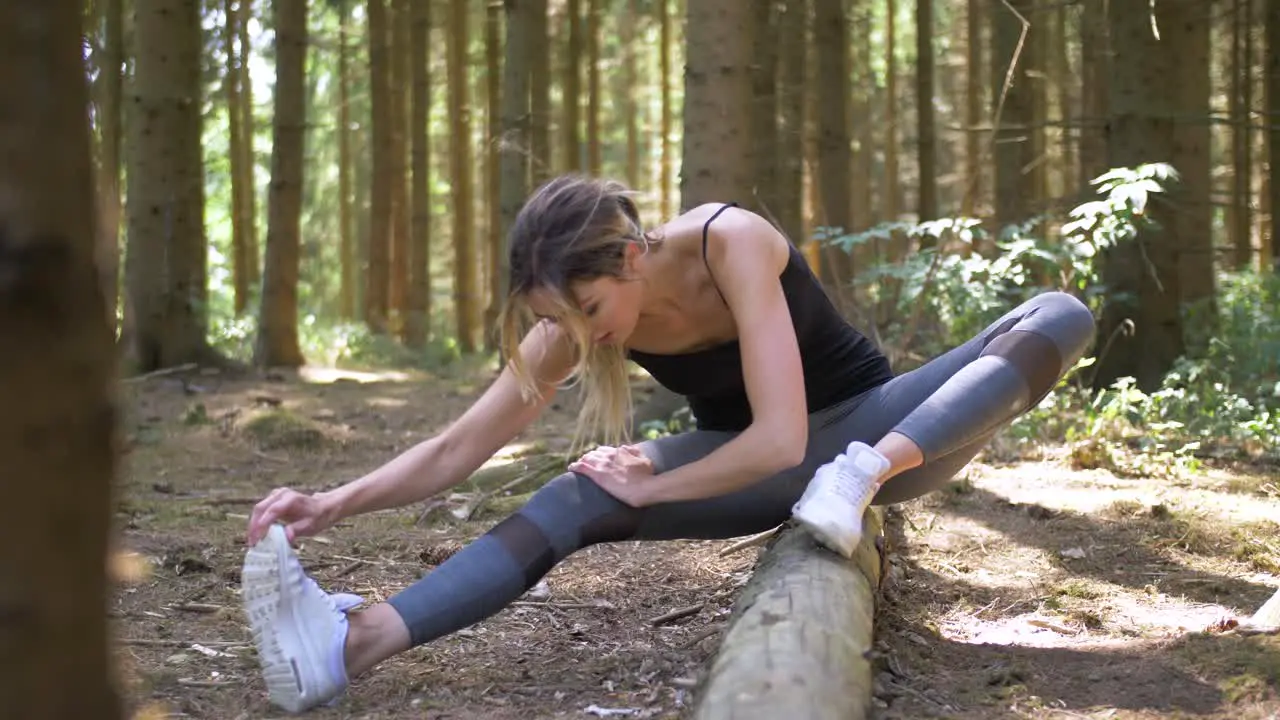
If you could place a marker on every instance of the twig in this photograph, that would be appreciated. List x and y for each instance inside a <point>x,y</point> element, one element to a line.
<point>231,501</point>
<point>203,683</point>
<point>198,607</point>
<point>469,509</point>
<point>601,605</point>
<point>703,635</point>
<point>677,614</point>
<point>350,568</point>
<point>157,642</point>
<point>160,373</point>
<point>757,539</point>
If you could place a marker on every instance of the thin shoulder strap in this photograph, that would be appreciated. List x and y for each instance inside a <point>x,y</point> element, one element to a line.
<point>705,227</point>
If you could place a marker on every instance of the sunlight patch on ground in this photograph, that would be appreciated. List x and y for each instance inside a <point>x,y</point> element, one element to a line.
<point>1092,490</point>
<point>322,375</point>
<point>386,402</point>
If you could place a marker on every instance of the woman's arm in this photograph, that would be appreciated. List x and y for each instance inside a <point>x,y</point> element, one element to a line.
<point>747,274</point>
<point>439,463</point>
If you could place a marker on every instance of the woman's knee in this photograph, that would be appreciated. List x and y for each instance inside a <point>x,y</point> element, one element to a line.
<point>573,511</point>
<point>1073,325</point>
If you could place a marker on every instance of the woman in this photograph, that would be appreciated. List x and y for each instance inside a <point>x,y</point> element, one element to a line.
<point>798,417</point>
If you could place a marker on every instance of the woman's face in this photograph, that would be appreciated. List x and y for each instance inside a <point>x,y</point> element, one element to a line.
<point>611,305</point>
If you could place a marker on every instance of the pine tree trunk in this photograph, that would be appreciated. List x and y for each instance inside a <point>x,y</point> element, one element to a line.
<point>493,172</point>
<point>925,130</point>
<point>347,255</point>
<point>398,60</point>
<point>539,93</point>
<point>377,286</point>
<point>57,436</point>
<point>594,158</point>
<point>1239,216</point>
<point>1014,148</point>
<point>1095,88</point>
<point>1143,274</point>
<point>515,138</point>
<point>1272,24</point>
<point>665,171</point>
<point>465,298</point>
<point>418,322</point>
<point>278,323</point>
<point>248,163</point>
<point>764,113</point>
<point>630,109</point>
<point>572,88</point>
<point>109,206</point>
<point>830,38</point>
<point>789,182</point>
<point>717,163</point>
<point>1187,24</point>
<point>891,175</point>
<point>165,265</point>
<point>235,159</point>
<point>973,107</point>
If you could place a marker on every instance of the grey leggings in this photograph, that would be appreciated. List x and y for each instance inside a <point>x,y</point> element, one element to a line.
<point>950,407</point>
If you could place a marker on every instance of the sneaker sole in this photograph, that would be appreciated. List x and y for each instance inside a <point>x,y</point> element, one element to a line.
<point>825,535</point>
<point>282,643</point>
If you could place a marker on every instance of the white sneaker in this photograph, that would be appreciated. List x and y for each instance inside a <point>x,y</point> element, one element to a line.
<point>832,505</point>
<point>300,630</point>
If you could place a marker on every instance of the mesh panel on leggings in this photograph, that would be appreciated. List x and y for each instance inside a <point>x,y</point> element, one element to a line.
<point>1035,356</point>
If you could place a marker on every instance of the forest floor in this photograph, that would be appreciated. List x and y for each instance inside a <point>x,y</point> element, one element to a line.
<point>1026,589</point>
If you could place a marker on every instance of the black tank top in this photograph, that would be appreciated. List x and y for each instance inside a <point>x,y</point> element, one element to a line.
<point>839,362</point>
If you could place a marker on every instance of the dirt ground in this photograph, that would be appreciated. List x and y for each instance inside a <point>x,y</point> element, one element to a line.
<point>1024,590</point>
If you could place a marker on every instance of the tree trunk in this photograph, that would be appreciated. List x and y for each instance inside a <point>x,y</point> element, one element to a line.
<point>278,323</point>
<point>515,139</point>
<point>1272,94</point>
<point>418,322</point>
<point>764,114</point>
<point>1143,274</point>
<point>248,162</point>
<point>831,41</point>
<point>789,181</point>
<point>717,163</point>
<point>57,437</point>
<point>801,634</point>
<point>973,108</point>
<point>493,173</point>
<point>595,161</point>
<point>630,109</point>
<point>571,89</point>
<point>398,60</point>
<point>235,159</point>
<point>891,177</point>
<point>165,265</point>
<point>925,127</point>
<point>1095,88</point>
<point>347,255</point>
<point>111,79</point>
<point>1187,24</point>
<point>1014,149</point>
<point>539,92</point>
<point>1239,216</point>
<point>465,299</point>
<point>379,244</point>
<point>667,161</point>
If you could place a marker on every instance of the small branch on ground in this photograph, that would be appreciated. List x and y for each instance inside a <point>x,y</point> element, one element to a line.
<point>677,614</point>
<point>160,373</point>
<point>754,540</point>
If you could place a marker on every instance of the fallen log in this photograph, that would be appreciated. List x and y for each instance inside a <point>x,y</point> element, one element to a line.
<point>798,641</point>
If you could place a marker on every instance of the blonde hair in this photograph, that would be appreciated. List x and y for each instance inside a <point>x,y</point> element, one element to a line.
<point>573,229</point>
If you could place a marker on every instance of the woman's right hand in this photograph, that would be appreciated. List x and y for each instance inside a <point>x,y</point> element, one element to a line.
<point>300,514</point>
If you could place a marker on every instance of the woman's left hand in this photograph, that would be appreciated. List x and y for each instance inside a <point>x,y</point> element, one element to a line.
<point>620,471</point>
